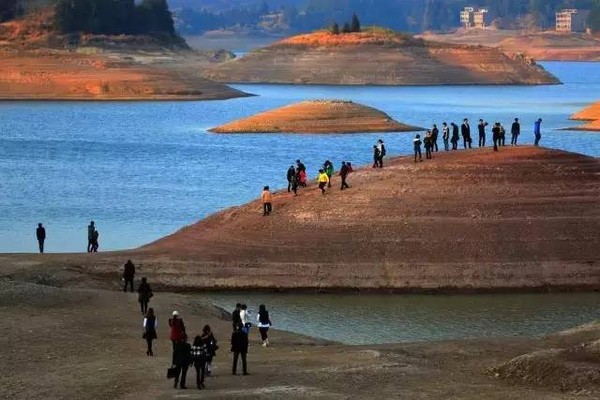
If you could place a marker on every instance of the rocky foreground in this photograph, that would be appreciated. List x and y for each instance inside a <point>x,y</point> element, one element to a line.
<point>318,117</point>
<point>378,58</point>
<point>62,342</point>
<point>589,114</point>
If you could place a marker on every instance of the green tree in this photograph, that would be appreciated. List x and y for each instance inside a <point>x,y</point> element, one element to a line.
<point>154,17</point>
<point>335,28</point>
<point>355,27</point>
<point>346,28</point>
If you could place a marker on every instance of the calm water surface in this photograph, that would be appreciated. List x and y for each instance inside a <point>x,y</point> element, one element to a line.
<point>142,170</point>
<point>372,319</point>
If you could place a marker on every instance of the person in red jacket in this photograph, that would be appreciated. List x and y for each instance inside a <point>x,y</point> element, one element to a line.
<point>176,331</point>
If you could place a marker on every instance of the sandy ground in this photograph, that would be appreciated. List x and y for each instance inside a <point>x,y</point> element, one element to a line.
<point>45,74</point>
<point>318,116</point>
<point>64,343</point>
<point>542,46</point>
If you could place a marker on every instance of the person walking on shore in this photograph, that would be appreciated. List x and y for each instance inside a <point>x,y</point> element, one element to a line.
<point>375,157</point>
<point>128,275</point>
<point>301,169</point>
<point>502,141</point>
<point>481,127</point>
<point>150,326</point>
<point>264,323</point>
<point>537,131</point>
<point>91,230</point>
<point>382,152</point>
<point>291,173</point>
<point>446,136</point>
<point>211,347</point>
<point>328,168</point>
<point>236,320</point>
<point>434,138</point>
<point>177,331</point>
<point>417,145</point>
<point>344,172</point>
<point>40,233</point>
<point>199,353</point>
<point>144,295</point>
<point>182,358</point>
<point>95,243</point>
<point>267,201</point>
<point>323,180</point>
<point>515,131</point>
<point>455,137</point>
<point>496,135</point>
<point>466,133</point>
<point>428,145</point>
<point>294,182</point>
<point>245,317</point>
<point>239,348</point>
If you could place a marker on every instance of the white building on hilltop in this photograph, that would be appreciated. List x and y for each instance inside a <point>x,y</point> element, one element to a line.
<point>571,20</point>
<point>471,17</point>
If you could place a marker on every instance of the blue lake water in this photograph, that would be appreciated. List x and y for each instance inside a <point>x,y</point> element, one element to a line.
<point>372,319</point>
<point>142,170</point>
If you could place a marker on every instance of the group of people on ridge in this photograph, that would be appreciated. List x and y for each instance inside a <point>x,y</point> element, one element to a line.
<point>451,137</point>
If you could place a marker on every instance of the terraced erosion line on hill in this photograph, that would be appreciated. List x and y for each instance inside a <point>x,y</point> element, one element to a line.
<point>317,117</point>
<point>378,59</point>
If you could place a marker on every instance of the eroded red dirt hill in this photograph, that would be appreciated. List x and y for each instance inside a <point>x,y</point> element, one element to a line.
<point>523,217</point>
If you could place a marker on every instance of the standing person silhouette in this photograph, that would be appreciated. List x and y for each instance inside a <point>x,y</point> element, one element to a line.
<point>537,131</point>
<point>40,233</point>
<point>465,129</point>
<point>515,131</point>
<point>91,230</point>
<point>128,275</point>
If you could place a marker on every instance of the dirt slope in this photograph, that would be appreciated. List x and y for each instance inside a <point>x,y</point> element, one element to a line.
<point>318,116</point>
<point>542,46</point>
<point>521,218</point>
<point>378,59</point>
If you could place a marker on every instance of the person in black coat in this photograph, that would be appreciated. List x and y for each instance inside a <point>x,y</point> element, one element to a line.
<point>515,131</point>
<point>291,173</point>
<point>40,233</point>
<point>434,137</point>
<point>182,358</point>
<point>144,295</point>
<point>128,274</point>
<point>344,171</point>
<point>481,127</point>
<point>239,347</point>
<point>496,135</point>
<point>455,137</point>
<point>236,319</point>
<point>465,129</point>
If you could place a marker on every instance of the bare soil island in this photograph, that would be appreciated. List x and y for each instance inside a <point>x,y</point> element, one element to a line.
<point>590,114</point>
<point>318,116</point>
<point>37,63</point>
<point>540,45</point>
<point>378,58</point>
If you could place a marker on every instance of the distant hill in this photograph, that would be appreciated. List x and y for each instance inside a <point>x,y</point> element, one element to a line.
<point>378,57</point>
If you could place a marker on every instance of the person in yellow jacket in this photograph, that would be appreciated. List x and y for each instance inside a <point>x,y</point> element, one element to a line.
<point>323,180</point>
<point>267,199</point>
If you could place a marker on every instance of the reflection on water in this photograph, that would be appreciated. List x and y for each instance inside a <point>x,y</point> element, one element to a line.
<point>142,170</point>
<point>371,319</point>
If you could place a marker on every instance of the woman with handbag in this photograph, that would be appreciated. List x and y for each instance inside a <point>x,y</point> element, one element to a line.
<point>150,326</point>
<point>144,295</point>
<point>264,323</point>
